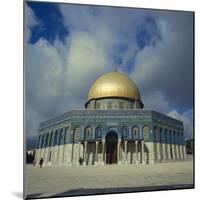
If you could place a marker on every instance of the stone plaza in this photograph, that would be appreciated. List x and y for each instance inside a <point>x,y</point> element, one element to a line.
<point>70,180</point>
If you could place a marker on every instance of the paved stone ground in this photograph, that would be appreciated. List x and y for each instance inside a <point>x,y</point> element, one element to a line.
<point>67,181</point>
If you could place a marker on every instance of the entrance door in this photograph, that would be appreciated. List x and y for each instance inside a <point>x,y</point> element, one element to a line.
<point>111,147</point>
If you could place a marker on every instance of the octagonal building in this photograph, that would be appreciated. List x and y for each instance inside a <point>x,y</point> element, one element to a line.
<point>112,129</point>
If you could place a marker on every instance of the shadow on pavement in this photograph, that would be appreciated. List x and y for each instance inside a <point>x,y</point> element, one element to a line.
<point>33,196</point>
<point>96,191</point>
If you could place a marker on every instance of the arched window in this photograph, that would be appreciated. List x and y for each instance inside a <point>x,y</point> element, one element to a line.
<point>47,140</point>
<point>51,139</point>
<point>135,132</point>
<point>121,105</point>
<point>42,143</point>
<point>88,133</point>
<point>71,136</point>
<point>77,133</point>
<point>39,141</point>
<point>56,138</point>
<point>98,133</point>
<point>145,132</point>
<point>178,138</point>
<point>174,137</point>
<point>170,137</point>
<point>97,105</point>
<point>124,132</point>
<point>61,137</point>
<point>115,106</point>
<point>109,105</point>
<point>155,134</point>
<point>66,135</point>
<point>160,135</point>
<point>165,140</point>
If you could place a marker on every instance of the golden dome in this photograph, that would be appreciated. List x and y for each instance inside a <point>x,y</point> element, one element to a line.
<point>114,84</point>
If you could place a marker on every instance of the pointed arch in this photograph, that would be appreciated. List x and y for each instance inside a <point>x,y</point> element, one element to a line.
<point>98,132</point>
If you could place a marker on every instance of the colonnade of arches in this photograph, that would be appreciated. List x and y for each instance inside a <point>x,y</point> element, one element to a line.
<point>132,140</point>
<point>64,135</point>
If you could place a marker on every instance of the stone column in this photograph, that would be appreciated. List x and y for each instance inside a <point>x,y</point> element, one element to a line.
<point>96,153</point>
<point>77,162</point>
<point>158,151</point>
<point>158,145</point>
<point>125,142</point>
<point>184,152</point>
<point>164,151</point>
<point>181,151</point>
<point>85,154</point>
<point>53,149</point>
<point>174,145</point>
<point>168,151</point>
<point>143,153</point>
<point>177,152</point>
<point>173,151</point>
<point>136,151</point>
<point>103,152</point>
<point>118,152</point>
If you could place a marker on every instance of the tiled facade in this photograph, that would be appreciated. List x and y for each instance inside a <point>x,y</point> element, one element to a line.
<point>81,137</point>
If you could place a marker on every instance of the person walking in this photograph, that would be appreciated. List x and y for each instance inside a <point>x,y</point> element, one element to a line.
<point>41,162</point>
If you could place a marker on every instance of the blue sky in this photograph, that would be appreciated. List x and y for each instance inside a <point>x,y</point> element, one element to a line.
<point>69,46</point>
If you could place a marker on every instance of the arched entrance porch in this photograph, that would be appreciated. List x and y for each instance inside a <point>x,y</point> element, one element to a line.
<point>111,147</point>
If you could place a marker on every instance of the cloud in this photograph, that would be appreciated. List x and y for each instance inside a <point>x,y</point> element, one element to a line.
<point>168,65</point>
<point>187,119</point>
<point>86,59</point>
<point>30,21</point>
<point>59,75</point>
<point>156,101</point>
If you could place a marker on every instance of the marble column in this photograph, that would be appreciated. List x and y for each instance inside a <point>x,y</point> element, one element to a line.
<point>143,153</point>
<point>164,151</point>
<point>118,152</point>
<point>103,152</point>
<point>169,151</point>
<point>85,154</point>
<point>177,152</point>
<point>125,142</point>
<point>181,151</point>
<point>52,146</point>
<point>173,151</point>
<point>159,145</point>
<point>158,151</point>
<point>184,152</point>
<point>136,151</point>
<point>96,153</point>
<point>77,162</point>
<point>174,146</point>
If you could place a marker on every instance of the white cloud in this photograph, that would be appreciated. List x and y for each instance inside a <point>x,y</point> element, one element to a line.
<point>59,75</point>
<point>156,101</point>
<point>167,66</point>
<point>30,21</point>
<point>187,119</point>
<point>85,61</point>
